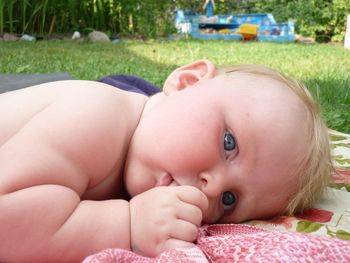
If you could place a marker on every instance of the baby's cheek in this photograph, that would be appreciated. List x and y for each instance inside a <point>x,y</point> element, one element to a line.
<point>201,153</point>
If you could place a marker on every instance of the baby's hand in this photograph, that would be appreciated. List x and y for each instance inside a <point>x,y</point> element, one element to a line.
<point>165,217</point>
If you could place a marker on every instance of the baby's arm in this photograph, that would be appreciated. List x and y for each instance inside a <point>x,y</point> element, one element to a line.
<point>48,163</point>
<point>48,223</point>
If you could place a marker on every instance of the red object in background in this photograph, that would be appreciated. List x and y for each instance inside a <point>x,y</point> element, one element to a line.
<point>341,176</point>
<point>316,215</point>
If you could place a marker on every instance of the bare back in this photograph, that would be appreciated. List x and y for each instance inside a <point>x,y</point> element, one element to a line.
<point>65,140</point>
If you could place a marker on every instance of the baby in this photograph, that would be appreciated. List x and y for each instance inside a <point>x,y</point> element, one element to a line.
<point>85,166</point>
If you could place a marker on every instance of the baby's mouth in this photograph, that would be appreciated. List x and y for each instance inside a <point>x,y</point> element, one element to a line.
<point>166,180</point>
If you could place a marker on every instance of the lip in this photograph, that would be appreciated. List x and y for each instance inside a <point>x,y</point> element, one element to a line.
<point>166,180</point>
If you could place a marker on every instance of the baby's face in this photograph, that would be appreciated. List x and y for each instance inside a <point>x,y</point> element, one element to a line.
<point>238,138</point>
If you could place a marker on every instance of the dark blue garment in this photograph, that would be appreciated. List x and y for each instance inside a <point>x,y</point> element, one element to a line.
<point>131,83</point>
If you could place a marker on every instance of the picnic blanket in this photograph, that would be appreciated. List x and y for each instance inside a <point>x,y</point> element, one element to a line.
<point>10,82</point>
<point>320,234</point>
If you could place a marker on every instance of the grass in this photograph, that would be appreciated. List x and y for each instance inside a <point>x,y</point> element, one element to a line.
<point>323,68</point>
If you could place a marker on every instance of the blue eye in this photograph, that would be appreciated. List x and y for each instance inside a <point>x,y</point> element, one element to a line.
<point>229,200</point>
<point>229,142</point>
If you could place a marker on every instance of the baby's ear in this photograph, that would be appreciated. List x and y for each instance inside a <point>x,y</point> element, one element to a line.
<point>188,75</point>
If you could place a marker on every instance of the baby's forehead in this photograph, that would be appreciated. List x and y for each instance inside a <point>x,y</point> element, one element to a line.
<point>259,86</point>
<point>266,98</point>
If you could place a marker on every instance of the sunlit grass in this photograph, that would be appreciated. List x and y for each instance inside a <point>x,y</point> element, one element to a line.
<point>324,68</point>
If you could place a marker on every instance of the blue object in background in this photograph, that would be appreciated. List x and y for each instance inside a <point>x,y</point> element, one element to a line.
<point>225,26</point>
<point>209,6</point>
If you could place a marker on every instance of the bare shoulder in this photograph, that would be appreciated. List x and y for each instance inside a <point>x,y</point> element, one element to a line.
<point>71,133</point>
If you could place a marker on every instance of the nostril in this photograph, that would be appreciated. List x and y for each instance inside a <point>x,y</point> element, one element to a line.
<point>203,182</point>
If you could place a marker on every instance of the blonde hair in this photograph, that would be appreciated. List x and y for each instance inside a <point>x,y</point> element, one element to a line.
<point>316,166</point>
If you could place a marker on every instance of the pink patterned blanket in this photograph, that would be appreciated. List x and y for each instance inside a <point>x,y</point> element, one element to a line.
<point>321,234</point>
<point>243,243</point>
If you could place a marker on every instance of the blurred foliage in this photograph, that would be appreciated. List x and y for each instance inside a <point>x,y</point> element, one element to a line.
<point>323,19</point>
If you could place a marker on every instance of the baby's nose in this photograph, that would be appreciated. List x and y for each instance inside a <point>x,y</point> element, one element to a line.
<point>210,184</point>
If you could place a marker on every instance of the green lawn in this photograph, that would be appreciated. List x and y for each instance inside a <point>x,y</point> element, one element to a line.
<point>325,69</point>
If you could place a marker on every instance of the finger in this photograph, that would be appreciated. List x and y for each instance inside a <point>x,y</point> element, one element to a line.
<point>189,213</point>
<point>192,195</point>
<point>176,243</point>
<point>183,230</point>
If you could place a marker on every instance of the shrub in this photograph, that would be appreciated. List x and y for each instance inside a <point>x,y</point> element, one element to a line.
<point>322,19</point>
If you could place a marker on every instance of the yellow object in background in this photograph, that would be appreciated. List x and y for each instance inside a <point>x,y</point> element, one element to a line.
<point>224,31</point>
<point>248,31</point>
